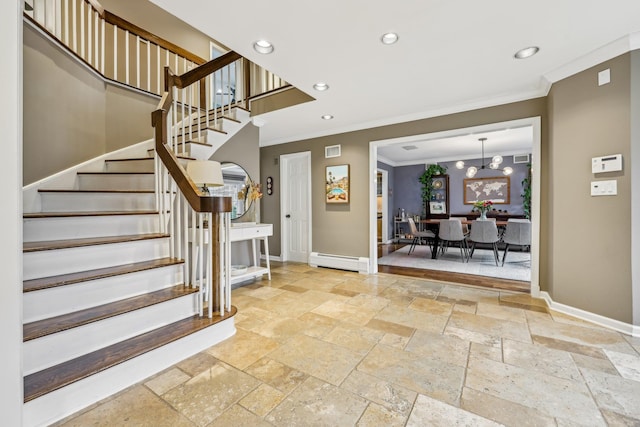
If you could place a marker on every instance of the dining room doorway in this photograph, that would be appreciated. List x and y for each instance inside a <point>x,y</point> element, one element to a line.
<point>533,124</point>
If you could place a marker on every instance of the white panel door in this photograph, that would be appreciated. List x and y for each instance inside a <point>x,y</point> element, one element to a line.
<point>295,172</point>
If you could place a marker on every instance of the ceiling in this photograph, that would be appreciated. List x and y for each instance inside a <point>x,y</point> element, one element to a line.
<point>451,55</point>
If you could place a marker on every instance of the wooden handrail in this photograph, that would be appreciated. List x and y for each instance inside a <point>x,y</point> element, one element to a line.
<point>133,28</point>
<point>199,73</point>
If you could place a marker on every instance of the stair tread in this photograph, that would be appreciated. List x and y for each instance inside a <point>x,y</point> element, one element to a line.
<point>65,322</point>
<point>30,215</point>
<point>56,377</point>
<point>70,190</point>
<point>74,243</point>
<point>145,158</point>
<point>100,273</point>
<point>114,173</point>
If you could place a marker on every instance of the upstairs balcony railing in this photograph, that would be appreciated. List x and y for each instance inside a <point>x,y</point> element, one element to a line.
<point>126,53</point>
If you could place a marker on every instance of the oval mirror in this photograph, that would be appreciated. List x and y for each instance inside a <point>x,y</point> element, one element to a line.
<point>236,185</point>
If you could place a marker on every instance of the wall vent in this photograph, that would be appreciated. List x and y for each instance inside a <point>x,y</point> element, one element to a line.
<point>332,151</point>
<point>521,158</point>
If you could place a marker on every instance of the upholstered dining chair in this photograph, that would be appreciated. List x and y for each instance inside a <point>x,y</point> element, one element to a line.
<point>419,235</point>
<point>517,232</point>
<point>450,231</point>
<point>484,231</point>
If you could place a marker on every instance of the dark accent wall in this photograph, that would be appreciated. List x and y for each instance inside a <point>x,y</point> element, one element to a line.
<point>408,190</point>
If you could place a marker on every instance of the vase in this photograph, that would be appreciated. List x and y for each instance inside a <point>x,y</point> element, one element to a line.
<point>483,215</point>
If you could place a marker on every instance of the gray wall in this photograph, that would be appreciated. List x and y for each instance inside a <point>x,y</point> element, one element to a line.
<point>408,190</point>
<point>71,114</point>
<point>344,230</point>
<point>589,256</point>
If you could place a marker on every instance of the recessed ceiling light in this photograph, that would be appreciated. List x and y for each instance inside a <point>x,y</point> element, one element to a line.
<point>327,117</point>
<point>321,86</point>
<point>389,38</point>
<point>263,46</point>
<point>526,52</point>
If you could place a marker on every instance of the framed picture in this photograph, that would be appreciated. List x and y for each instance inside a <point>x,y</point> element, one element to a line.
<point>437,207</point>
<point>337,183</point>
<point>495,189</point>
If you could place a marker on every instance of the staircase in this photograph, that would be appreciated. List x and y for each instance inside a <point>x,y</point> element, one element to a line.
<point>105,305</point>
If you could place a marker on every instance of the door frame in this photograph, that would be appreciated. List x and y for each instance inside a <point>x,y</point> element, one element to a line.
<point>385,204</point>
<point>536,166</point>
<point>284,194</point>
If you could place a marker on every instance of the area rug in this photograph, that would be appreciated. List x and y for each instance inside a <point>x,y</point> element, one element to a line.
<point>516,267</point>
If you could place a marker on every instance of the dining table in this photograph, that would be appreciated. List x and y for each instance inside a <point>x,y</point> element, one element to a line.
<point>434,223</point>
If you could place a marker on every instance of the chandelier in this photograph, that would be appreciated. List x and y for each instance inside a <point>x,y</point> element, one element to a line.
<point>495,163</point>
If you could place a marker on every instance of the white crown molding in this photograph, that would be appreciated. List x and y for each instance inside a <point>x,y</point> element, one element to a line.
<point>597,319</point>
<point>474,105</point>
<point>387,161</point>
<point>609,51</point>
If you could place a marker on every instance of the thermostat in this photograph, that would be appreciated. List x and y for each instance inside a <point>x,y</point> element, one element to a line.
<point>609,163</point>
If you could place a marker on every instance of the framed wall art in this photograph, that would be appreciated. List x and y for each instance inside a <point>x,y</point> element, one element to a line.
<point>337,184</point>
<point>494,189</point>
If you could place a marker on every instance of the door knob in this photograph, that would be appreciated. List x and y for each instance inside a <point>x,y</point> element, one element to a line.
<point>287,216</point>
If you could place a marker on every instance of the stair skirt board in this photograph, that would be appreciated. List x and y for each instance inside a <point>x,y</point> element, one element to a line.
<point>78,227</point>
<point>88,202</point>
<point>116,181</point>
<point>50,350</point>
<point>55,262</point>
<point>61,403</point>
<point>359,264</point>
<point>51,302</point>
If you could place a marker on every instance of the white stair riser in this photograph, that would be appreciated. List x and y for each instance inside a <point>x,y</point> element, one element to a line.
<point>64,261</point>
<point>61,403</point>
<point>60,300</point>
<point>142,165</point>
<point>88,202</point>
<point>60,228</point>
<point>116,182</point>
<point>53,349</point>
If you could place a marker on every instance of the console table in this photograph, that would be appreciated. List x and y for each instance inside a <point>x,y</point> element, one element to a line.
<point>251,231</point>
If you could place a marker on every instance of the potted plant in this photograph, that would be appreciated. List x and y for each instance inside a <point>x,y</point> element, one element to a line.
<point>526,193</point>
<point>427,179</point>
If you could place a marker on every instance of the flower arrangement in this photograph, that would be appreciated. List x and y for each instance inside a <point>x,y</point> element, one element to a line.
<point>254,191</point>
<point>482,206</point>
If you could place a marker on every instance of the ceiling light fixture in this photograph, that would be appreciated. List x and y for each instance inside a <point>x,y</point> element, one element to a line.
<point>263,47</point>
<point>321,86</point>
<point>527,52</point>
<point>327,117</point>
<point>389,38</point>
<point>495,163</point>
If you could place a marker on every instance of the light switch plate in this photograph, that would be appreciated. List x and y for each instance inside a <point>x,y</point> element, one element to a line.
<point>604,188</point>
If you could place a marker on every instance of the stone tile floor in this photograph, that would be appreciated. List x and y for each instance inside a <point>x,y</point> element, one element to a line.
<point>320,347</point>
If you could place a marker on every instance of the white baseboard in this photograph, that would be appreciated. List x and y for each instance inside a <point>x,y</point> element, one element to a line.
<point>597,319</point>
<point>351,263</point>
<point>271,258</point>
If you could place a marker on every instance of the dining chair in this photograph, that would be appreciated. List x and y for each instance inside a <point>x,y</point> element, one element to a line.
<point>484,231</point>
<point>517,232</point>
<point>419,235</point>
<point>450,231</point>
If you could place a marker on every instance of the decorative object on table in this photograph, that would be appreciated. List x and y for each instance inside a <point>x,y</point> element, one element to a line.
<point>254,191</point>
<point>237,270</point>
<point>483,206</point>
<point>206,173</point>
<point>269,185</point>
<point>495,163</point>
<point>494,189</point>
<point>437,207</point>
<point>427,180</point>
<point>337,184</point>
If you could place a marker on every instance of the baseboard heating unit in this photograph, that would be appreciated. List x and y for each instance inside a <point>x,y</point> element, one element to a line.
<point>351,263</point>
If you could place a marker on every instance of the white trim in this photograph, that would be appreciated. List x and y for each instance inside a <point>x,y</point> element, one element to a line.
<point>385,204</point>
<point>272,258</point>
<point>616,48</point>
<point>597,319</point>
<point>535,122</point>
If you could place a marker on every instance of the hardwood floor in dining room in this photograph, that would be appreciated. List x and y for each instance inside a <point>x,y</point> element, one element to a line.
<point>448,276</point>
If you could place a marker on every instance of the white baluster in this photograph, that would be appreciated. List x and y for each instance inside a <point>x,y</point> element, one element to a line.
<point>126,56</point>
